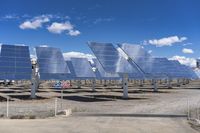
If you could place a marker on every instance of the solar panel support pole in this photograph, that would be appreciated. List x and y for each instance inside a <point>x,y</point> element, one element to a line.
<point>169,83</point>
<point>125,86</point>
<point>79,83</point>
<point>93,84</point>
<point>184,81</point>
<point>70,82</point>
<point>101,82</point>
<point>141,83</point>
<point>34,81</point>
<point>178,82</point>
<point>105,83</point>
<point>188,81</point>
<point>160,81</point>
<point>155,89</point>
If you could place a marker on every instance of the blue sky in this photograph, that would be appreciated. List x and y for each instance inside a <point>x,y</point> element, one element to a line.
<point>167,28</point>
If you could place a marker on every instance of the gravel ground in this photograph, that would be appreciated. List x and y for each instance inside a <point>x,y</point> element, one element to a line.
<point>167,101</point>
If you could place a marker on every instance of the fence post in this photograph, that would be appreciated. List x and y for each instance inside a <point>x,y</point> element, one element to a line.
<point>198,111</point>
<point>188,110</point>
<point>61,98</point>
<point>56,106</point>
<point>7,107</point>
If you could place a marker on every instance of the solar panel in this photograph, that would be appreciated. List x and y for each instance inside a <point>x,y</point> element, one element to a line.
<point>71,68</point>
<point>156,67</point>
<point>190,72</point>
<point>197,72</point>
<point>183,71</point>
<point>112,61</point>
<point>82,68</point>
<point>101,73</point>
<point>151,67</point>
<point>52,64</point>
<point>15,63</point>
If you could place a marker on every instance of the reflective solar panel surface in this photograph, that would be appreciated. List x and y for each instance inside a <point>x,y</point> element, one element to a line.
<point>112,61</point>
<point>197,72</point>
<point>101,73</point>
<point>15,62</point>
<point>52,64</point>
<point>190,72</point>
<point>156,67</point>
<point>82,68</point>
<point>184,71</point>
<point>151,67</point>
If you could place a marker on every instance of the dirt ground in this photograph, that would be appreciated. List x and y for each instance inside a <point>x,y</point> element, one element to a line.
<point>163,111</point>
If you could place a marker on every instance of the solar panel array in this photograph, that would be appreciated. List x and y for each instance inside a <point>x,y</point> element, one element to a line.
<point>15,63</point>
<point>52,64</point>
<point>112,61</point>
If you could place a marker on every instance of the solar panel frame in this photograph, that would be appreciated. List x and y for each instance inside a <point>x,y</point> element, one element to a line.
<point>112,61</point>
<point>82,68</point>
<point>52,65</point>
<point>183,71</point>
<point>144,61</point>
<point>15,62</point>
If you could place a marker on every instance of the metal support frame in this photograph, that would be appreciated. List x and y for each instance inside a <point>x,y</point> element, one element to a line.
<point>125,86</point>
<point>160,81</point>
<point>169,85</point>
<point>34,81</point>
<point>155,88</point>
<point>141,83</point>
<point>105,83</point>
<point>93,84</point>
<point>178,82</point>
<point>79,83</point>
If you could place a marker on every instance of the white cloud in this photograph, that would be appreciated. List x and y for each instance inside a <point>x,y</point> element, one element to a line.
<point>74,54</point>
<point>74,32</point>
<point>187,51</point>
<point>186,44</point>
<point>58,28</point>
<point>145,42</point>
<point>167,41</point>
<point>11,16</point>
<point>35,23</point>
<point>99,20</point>
<point>184,60</point>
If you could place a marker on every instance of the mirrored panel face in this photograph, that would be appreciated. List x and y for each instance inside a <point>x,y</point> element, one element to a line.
<point>15,62</point>
<point>156,67</point>
<point>183,71</point>
<point>101,73</point>
<point>150,66</point>
<point>51,62</point>
<point>82,68</point>
<point>111,60</point>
